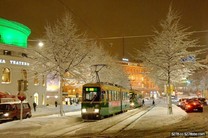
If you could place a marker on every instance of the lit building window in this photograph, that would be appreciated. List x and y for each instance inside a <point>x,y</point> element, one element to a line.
<point>6,52</point>
<point>43,80</point>
<point>36,81</point>
<point>24,55</point>
<point>24,74</point>
<point>6,75</point>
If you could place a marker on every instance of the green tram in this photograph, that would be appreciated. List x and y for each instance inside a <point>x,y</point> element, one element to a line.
<point>100,100</point>
<point>135,99</point>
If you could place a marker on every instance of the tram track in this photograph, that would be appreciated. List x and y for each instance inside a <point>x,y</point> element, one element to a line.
<point>108,124</point>
<point>72,130</point>
<point>112,125</point>
<point>122,125</point>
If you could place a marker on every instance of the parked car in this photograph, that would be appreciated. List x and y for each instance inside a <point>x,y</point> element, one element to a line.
<point>193,105</point>
<point>181,102</point>
<point>203,101</point>
<point>11,111</point>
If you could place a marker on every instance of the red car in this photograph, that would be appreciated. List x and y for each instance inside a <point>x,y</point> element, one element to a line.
<point>193,105</point>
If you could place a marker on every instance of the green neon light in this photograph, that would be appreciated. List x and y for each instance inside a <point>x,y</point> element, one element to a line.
<point>13,33</point>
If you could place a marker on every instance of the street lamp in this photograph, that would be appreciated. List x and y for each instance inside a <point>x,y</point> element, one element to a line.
<point>40,44</point>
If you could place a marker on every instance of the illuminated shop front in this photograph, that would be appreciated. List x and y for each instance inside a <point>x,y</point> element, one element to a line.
<point>15,66</point>
<point>71,91</point>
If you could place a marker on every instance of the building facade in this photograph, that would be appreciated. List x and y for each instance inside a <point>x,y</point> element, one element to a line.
<point>15,66</point>
<point>139,81</point>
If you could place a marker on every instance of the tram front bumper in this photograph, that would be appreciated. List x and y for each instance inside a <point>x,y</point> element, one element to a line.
<point>90,114</point>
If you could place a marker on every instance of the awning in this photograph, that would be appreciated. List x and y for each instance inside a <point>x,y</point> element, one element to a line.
<point>6,95</point>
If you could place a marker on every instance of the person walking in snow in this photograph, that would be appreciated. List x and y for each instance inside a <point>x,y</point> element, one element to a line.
<point>153,102</point>
<point>56,103</point>
<point>142,102</point>
<point>34,106</point>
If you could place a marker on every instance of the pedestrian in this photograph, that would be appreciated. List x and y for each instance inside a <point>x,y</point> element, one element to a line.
<point>56,103</point>
<point>153,102</point>
<point>34,106</point>
<point>142,101</point>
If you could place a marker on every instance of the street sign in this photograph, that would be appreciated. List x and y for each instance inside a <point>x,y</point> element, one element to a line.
<point>21,96</point>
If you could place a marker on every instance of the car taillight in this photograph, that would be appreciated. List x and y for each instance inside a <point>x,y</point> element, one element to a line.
<point>194,103</point>
<point>201,105</point>
<point>189,106</point>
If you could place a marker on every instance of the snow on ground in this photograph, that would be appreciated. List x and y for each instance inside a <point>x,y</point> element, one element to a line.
<point>44,119</point>
<point>158,117</point>
<point>48,110</point>
<point>41,124</point>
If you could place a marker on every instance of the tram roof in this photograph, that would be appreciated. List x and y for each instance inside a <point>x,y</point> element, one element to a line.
<point>105,86</point>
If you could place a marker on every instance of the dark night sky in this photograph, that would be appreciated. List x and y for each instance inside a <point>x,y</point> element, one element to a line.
<point>109,18</point>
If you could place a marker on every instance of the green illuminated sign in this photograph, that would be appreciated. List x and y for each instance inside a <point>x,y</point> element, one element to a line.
<point>91,89</point>
<point>13,33</point>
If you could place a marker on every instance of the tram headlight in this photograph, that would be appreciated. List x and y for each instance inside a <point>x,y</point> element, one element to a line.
<point>84,110</point>
<point>96,110</point>
<point>132,104</point>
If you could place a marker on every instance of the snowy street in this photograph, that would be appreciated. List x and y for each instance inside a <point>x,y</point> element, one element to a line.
<point>134,123</point>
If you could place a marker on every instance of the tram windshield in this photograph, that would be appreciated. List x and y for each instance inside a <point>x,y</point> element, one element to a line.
<point>91,94</point>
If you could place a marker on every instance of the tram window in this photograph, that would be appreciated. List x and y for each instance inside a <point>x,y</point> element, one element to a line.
<point>113,95</point>
<point>116,95</point>
<point>92,94</point>
<point>107,96</point>
<point>123,95</point>
<point>110,95</point>
<point>103,95</point>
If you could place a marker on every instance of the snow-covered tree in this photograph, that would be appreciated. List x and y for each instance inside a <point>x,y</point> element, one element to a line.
<point>65,52</point>
<point>171,54</point>
<point>68,55</point>
<point>198,80</point>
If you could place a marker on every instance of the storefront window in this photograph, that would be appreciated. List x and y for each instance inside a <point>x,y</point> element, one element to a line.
<point>6,75</point>
<point>36,81</point>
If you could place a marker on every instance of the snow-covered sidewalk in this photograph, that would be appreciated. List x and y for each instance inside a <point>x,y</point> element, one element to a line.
<point>40,124</point>
<point>50,110</point>
<point>159,117</point>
